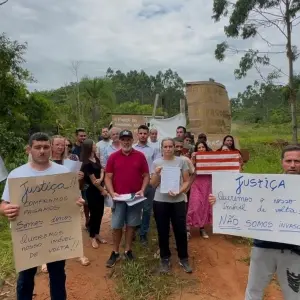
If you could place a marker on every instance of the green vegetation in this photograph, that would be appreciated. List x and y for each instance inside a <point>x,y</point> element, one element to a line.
<point>249,19</point>
<point>6,256</point>
<point>140,280</point>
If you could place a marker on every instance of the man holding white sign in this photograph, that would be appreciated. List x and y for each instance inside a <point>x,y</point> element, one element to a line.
<point>275,219</point>
<point>39,148</point>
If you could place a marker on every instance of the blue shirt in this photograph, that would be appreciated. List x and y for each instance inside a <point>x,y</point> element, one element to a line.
<point>108,150</point>
<point>150,153</point>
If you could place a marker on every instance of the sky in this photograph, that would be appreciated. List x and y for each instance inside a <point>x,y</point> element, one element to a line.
<point>151,35</point>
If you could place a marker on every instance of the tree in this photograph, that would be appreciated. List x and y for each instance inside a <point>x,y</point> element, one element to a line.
<point>1,3</point>
<point>139,86</point>
<point>20,112</point>
<point>101,98</point>
<point>247,19</point>
<point>75,70</point>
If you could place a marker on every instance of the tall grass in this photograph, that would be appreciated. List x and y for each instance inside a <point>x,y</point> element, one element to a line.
<point>264,156</point>
<point>6,255</point>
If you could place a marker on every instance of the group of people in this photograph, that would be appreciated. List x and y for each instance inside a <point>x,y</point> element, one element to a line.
<point>116,165</point>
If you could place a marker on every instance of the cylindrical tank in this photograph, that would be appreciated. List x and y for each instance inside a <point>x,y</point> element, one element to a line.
<point>208,107</point>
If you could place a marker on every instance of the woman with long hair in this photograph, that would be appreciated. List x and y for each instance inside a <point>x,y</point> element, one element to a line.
<point>199,211</point>
<point>58,147</point>
<point>171,207</point>
<point>95,193</point>
<point>68,150</point>
<point>228,142</point>
<point>58,154</point>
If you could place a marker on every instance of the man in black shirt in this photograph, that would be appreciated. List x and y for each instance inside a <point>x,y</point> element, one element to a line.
<point>80,135</point>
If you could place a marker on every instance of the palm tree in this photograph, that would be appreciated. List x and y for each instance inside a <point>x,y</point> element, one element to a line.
<point>100,97</point>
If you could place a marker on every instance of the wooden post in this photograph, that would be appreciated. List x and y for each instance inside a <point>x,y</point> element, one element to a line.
<point>182,106</point>
<point>155,105</point>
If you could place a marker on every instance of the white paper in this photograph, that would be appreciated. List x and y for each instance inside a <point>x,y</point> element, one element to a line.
<point>72,165</point>
<point>125,197</point>
<point>130,198</point>
<point>134,202</point>
<point>259,206</point>
<point>3,171</point>
<point>170,180</point>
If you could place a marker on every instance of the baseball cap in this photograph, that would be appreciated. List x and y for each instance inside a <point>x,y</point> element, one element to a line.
<point>125,133</point>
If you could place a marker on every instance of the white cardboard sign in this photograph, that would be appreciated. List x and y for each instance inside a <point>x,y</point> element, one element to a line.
<point>260,206</point>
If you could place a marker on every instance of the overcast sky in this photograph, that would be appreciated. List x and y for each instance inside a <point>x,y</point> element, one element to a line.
<point>151,35</point>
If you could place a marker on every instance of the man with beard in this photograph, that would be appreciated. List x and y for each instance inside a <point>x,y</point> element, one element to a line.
<point>80,136</point>
<point>180,133</point>
<point>40,165</point>
<point>151,154</point>
<point>270,257</point>
<point>127,172</point>
<point>102,144</point>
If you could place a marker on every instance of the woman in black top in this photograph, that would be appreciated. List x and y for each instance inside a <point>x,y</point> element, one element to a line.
<point>93,174</point>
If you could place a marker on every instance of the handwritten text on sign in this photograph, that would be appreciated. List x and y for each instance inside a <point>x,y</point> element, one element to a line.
<point>48,228</point>
<point>265,207</point>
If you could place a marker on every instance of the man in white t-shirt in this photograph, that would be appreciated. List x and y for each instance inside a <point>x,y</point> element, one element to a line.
<point>40,165</point>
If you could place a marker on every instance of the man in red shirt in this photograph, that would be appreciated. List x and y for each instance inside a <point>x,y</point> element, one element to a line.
<point>127,172</point>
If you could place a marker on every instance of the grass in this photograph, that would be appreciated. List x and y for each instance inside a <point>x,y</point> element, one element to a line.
<point>140,280</point>
<point>6,255</point>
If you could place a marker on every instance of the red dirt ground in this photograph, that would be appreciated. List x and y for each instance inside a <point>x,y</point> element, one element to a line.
<point>219,264</point>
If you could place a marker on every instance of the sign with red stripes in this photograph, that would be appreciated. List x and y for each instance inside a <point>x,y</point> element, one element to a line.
<point>217,161</point>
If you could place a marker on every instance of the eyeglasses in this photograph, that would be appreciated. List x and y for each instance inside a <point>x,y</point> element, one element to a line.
<point>69,146</point>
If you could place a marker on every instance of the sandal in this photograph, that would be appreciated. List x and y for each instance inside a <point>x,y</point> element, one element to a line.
<point>44,269</point>
<point>100,240</point>
<point>95,244</point>
<point>188,235</point>
<point>203,233</point>
<point>84,261</point>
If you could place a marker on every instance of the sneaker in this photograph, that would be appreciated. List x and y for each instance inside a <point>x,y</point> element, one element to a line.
<point>114,257</point>
<point>203,234</point>
<point>164,267</point>
<point>143,240</point>
<point>128,255</point>
<point>184,263</point>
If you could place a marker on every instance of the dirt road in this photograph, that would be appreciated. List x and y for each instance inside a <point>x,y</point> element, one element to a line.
<point>218,263</point>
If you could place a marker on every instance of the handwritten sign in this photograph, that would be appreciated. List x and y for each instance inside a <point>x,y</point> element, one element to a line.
<point>260,206</point>
<point>48,227</point>
<point>219,161</point>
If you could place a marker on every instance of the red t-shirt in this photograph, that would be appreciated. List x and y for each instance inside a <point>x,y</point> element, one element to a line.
<point>127,171</point>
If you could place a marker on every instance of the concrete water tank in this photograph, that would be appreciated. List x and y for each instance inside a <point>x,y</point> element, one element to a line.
<point>208,107</point>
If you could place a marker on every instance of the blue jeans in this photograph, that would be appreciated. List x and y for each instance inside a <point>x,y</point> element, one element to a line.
<point>57,276</point>
<point>147,210</point>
